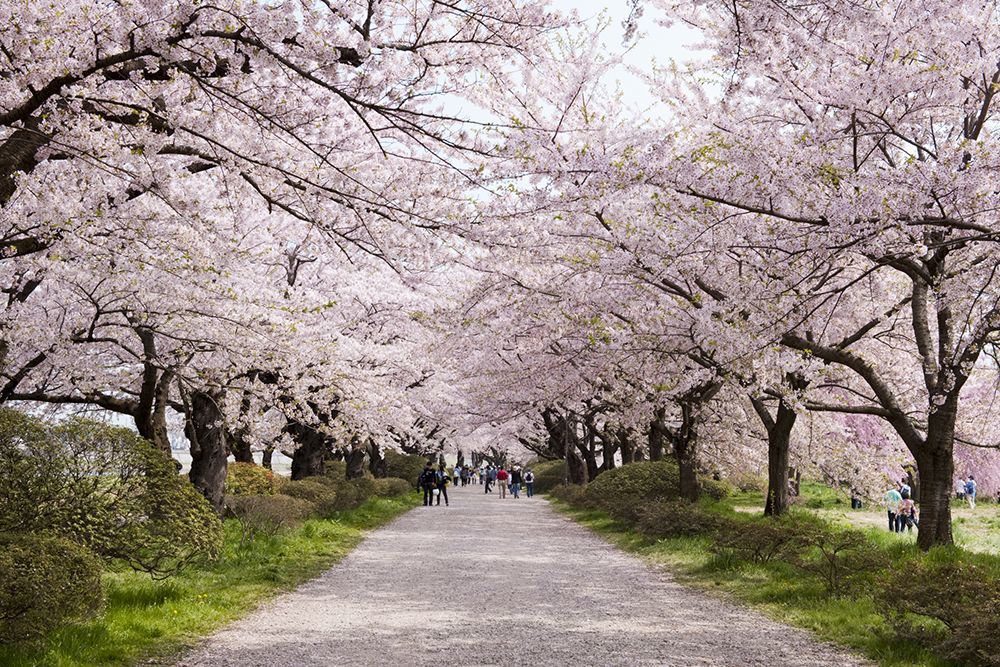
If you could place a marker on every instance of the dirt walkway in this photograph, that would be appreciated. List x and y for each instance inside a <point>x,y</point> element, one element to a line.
<point>502,582</point>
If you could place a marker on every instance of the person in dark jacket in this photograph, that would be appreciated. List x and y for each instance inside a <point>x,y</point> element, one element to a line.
<point>515,481</point>
<point>442,485</point>
<point>428,482</point>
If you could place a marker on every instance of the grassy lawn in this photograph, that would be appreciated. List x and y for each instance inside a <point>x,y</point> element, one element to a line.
<point>148,620</point>
<point>777,589</point>
<point>975,530</point>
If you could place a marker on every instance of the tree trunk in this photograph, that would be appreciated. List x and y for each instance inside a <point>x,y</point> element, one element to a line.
<point>576,468</point>
<point>207,434</point>
<point>936,469</point>
<point>377,464</point>
<point>657,432</point>
<point>687,465</point>
<point>778,438</point>
<point>265,458</point>
<point>607,452</point>
<point>626,445</point>
<point>356,462</point>
<point>309,458</point>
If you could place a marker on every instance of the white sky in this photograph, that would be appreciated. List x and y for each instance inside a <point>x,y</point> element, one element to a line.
<point>654,43</point>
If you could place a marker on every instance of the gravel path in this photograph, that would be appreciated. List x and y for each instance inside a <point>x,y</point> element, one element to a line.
<point>502,582</point>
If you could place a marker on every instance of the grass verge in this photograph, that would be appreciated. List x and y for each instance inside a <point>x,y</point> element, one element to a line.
<point>148,620</point>
<point>776,588</point>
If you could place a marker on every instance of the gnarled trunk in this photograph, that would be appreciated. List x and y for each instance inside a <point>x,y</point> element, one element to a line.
<point>309,458</point>
<point>207,434</point>
<point>356,462</point>
<point>936,468</point>
<point>657,434</point>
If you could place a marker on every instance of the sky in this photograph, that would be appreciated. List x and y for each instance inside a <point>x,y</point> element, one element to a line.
<point>654,43</point>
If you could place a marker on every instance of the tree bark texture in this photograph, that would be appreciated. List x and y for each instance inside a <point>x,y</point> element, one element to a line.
<point>207,434</point>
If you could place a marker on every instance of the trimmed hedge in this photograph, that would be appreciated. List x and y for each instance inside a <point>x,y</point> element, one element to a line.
<point>548,475</point>
<point>403,466</point>
<point>323,497</point>
<point>45,582</point>
<point>267,515</point>
<point>249,479</point>
<point>105,488</point>
<point>621,491</point>
<point>390,487</point>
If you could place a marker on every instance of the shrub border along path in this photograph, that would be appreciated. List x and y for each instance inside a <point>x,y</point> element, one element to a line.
<point>153,621</point>
<point>776,589</point>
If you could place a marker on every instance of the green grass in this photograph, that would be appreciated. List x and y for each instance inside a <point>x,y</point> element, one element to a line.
<point>777,589</point>
<point>974,530</point>
<point>147,619</point>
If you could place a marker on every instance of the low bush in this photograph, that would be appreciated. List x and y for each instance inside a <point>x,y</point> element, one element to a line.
<point>759,541</point>
<point>390,487</point>
<point>548,475</point>
<point>715,489</point>
<point>248,479</point>
<point>745,481</point>
<point>842,559</point>
<point>45,582</point>
<point>103,487</point>
<point>322,497</point>
<point>963,598</point>
<point>622,490</point>
<point>677,518</point>
<point>267,515</point>
<point>572,494</point>
<point>354,492</point>
<point>404,466</point>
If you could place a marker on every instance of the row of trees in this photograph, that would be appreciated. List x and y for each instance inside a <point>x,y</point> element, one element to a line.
<point>362,225</point>
<point>807,233</point>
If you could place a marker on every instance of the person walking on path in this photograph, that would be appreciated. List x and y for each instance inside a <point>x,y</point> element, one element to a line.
<point>529,482</point>
<point>428,482</point>
<point>907,517</point>
<point>904,488</point>
<point>960,489</point>
<point>491,476</point>
<point>502,478</point>
<point>515,482</point>
<point>970,492</point>
<point>892,500</point>
<point>442,485</point>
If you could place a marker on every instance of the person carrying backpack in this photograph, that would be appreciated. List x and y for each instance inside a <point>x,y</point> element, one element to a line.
<point>907,516</point>
<point>529,482</point>
<point>970,492</point>
<point>428,482</point>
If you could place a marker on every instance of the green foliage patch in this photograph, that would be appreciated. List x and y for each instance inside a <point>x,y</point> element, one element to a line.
<point>45,582</point>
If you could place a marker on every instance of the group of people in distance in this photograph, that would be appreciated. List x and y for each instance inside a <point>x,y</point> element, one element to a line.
<point>507,481</point>
<point>902,511</point>
<point>434,482</point>
<point>965,489</point>
<point>901,508</point>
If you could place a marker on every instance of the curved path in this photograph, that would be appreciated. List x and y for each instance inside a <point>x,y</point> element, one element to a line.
<point>502,582</point>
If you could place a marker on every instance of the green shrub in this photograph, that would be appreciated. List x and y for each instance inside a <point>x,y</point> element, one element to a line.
<point>322,497</point>
<point>842,559</point>
<point>572,494</point>
<point>962,597</point>
<point>267,515</point>
<point>621,491</point>
<point>677,518</point>
<point>354,493</point>
<point>746,481</point>
<point>759,541</point>
<point>715,489</point>
<point>248,479</point>
<point>105,488</point>
<point>45,582</point>
<point>403,466</point>
<point>548,475</point>
<point>391,487</point>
